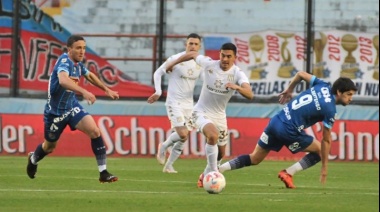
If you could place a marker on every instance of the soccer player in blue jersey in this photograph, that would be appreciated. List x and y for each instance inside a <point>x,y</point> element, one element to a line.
<point>62,108</point>
<point>286,128</point>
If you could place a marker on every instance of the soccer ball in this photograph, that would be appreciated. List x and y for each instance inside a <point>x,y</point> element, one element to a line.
<point>214,182</point>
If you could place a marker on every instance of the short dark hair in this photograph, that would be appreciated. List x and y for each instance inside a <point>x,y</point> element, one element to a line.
<point>343,84</point>
<point>72,39</point>
<point>229,46</point>
<point>194,35</point>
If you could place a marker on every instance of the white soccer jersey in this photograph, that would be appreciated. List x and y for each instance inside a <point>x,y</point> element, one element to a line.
<point>214,95</point>
<point>181,82</point>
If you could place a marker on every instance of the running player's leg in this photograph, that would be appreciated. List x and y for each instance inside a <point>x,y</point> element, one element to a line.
<point>309,160</point>
<point>255,158</point>
<point>221,125</point>
<point>52,132</point>
<point>211,150</point>
<point>178,147</point>
<point>210,131</point>
<point>85,123</point>
<point>262,149</point>
<point>295,144</point>
<point>178,118</point>
<point>176,150</point>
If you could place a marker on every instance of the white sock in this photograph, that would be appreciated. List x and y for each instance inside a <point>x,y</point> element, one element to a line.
<point>102,168</point>
<point>294,168</point>
<point>212,157</point>
<point>224,167</point>
<point>33,159</point>
<point>173,138</point>
<point>176,152</point>
<point>207,169</point>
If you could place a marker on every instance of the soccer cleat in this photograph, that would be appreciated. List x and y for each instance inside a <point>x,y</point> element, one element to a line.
<point>106,177</point>
<point>31,169</point>
<point>200,181</point>
<point>169,169</point>
<point>161,157</point>
<point>286,178</point>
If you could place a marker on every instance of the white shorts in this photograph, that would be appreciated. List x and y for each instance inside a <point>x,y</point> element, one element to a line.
<point>200,120</point>
<point>180,117</point>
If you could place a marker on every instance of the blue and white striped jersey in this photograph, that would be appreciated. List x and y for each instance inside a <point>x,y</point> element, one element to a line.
<point>60,100</point>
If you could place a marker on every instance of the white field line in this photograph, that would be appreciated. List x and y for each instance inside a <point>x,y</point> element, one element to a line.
<point>327,190</point>
<point>170,192</point>
<point>371,189</point>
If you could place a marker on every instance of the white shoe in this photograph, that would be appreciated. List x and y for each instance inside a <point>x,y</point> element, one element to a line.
<point>161,157</point>
<point>169,169</point>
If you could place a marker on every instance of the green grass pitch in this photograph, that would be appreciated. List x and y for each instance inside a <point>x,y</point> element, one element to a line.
<point>71,184</point>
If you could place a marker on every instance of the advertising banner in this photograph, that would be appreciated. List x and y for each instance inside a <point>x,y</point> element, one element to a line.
<point>271,58</point>
<point>138,136</point>
<point>41,42</point>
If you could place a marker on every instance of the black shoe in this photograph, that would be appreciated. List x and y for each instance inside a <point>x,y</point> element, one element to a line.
<point>31,169</point>
<point>106,177</point>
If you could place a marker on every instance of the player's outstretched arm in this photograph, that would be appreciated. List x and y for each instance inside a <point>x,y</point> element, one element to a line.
<point>157,83</point>
<point>183,58</point>
<point>286,95</point>
<point>93,79</point>
<point>325,149</point>
<point>69,84</point>
<point>245,89</point>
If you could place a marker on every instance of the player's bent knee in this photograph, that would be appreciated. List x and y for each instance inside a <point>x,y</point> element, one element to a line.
<point>183,137</point>
<point>94,133</point>
<point>182,132</point>
<point>255,161</point>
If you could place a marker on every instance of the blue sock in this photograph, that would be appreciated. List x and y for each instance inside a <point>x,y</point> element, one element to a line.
<point>99,150</point>
<point>39,154</point>
<point>309,160</point>
<point>240,162</point>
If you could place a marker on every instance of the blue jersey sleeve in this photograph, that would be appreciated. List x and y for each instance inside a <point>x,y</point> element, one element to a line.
<point>84,70</point>
<point>63,65</point>
<point>329,118</point>
<point>316,81</point>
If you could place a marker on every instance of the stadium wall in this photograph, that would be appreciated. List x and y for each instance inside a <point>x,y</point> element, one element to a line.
<point>132,128</point>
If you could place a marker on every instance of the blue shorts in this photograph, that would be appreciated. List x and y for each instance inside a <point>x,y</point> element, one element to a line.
<point>278,134</point>
<point>54,125</point>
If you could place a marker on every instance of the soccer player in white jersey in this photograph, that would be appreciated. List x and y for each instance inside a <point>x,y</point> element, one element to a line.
<point>222,78</point>
<point>179,101</point>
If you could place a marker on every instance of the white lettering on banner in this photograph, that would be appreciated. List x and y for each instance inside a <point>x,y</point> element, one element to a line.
<point>123,138</point>
<point>141,140</point>
<point>275,87</point>
<point>270,51</point>
<point>361,137</point>
<point>347,141</point>
<point>11,134</point>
